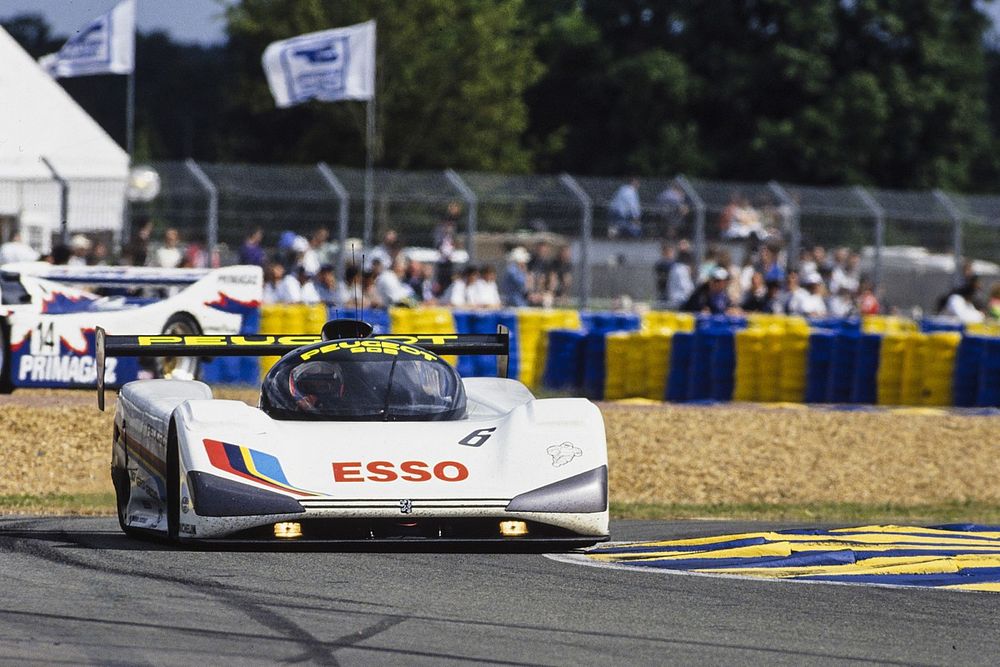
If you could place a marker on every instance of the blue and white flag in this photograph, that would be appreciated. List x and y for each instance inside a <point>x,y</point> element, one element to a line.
<point>104,46</point>
<point>329,65</point>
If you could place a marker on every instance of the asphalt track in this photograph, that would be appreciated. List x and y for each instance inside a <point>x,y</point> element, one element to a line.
<point>74,590</point>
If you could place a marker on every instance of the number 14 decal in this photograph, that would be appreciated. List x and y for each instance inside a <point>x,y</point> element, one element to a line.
<point>45,342</point>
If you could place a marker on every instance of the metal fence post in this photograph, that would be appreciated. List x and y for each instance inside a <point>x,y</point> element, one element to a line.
<point>472,210</point>
<point>586,234</point>
<point>878,214</point>
<point>956,235</point>
<point>343,201</point>
<point>698,204</point>
<point>795,228</point>
<point>212,222</point>
<point>63,201</point>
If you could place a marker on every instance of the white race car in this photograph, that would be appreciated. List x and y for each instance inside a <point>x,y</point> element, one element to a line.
<point>47,326</point>
<point>357,438</point>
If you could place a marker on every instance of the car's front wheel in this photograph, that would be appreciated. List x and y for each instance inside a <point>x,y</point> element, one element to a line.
<point>173,485</point>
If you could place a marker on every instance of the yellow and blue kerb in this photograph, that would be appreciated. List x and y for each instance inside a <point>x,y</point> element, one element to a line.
<point>962,556</point>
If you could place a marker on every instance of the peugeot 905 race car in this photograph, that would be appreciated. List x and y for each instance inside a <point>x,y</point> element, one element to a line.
<point>47,325</point>
<point>356,438</point>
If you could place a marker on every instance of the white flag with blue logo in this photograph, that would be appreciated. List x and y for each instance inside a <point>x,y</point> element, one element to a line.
<point>329,65</point>
<point>104,46</point>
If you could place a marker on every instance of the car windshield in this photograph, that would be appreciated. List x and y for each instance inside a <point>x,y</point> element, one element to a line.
<point>363,380</point>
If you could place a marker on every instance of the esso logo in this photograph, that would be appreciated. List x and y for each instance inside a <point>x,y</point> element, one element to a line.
<point>407,471</point>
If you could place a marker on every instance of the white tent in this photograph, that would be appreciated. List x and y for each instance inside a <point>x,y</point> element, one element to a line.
<point>39,119</point>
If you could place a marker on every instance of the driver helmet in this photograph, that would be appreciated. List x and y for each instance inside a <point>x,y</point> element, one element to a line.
<point>316,382</point>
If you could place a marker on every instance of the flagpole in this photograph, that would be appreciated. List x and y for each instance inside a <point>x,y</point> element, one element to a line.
<point>369,171</point>
<point>130,149</point>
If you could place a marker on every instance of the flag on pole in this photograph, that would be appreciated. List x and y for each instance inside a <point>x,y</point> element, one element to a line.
<point>106,45</point>
<point>328,65</point>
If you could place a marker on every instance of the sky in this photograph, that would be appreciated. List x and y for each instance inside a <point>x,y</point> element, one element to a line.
<point>186,20</point>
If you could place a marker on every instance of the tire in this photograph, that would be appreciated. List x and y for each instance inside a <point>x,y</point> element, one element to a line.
<point>173,486</point>
<point>179,368</point>
<point>6,386</point>
<point>123,492</point>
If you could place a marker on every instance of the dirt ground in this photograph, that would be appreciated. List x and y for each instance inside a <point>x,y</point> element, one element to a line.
<point>58,442</point>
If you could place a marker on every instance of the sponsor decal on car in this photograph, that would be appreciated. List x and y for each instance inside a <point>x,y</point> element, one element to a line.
<point>407,471</point>
<point>563,453</point>
<point>373,346</point>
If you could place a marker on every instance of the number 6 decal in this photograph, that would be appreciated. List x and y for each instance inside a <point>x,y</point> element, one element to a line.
<point>477,437</point>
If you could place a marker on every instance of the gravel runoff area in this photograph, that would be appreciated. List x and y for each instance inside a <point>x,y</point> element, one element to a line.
<point>56,442</point>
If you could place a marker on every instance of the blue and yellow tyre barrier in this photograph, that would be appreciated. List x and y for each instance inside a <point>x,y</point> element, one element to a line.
<point>960,556</point>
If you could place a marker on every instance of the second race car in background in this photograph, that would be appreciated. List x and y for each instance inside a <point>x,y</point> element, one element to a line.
<point>47,325</point>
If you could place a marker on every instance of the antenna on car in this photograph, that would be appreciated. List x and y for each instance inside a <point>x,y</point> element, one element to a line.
<point>362,288</point>
<point>358,272</point>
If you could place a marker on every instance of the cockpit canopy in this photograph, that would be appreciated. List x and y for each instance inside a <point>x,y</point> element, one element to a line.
<point>363,380</point>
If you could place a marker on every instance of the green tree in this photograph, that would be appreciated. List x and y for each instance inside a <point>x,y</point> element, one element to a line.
<point>450,81</point>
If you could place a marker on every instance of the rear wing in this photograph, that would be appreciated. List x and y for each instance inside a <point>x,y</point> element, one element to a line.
<point>276,345</point>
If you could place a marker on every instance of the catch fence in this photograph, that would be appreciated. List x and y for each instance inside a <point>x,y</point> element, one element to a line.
<point>900,234</point>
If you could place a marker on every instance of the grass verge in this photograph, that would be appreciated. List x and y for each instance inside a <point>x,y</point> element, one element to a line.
<point>91,504</point>
<point>965,512</point>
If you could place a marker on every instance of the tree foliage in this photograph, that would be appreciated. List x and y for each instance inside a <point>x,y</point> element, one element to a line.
<point>449,87</point>
<point>887,92</point>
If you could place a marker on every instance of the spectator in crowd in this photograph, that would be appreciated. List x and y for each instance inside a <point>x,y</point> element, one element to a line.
<point>136,251</point>
<point>423,283</point>
<point>168,255</point>
<point>993,306</point>
<point>274,272</point>
<point>625,211</point>
<point>846,272</point>
<point>757,297</point>
<point>744,221</point>
<point>16,250</point>
<point>290,288</point>
<point>387,251</point>
<point>562,274</point>
<point>808,300</point>
<point>960,303</point>
<point>769,265</point>
<point>61,254</point>
<point>673,275</point>
<point>484,293</point>
<point>457,294</point>
<point>330,291</point>
<point>311,254</point>
<point>712,296</point>
<point>515,283</point>
<point>98,254</point>
<point>251,251</point>
<point>392,287</point>
<point>307,287</point>
<point>285,252</point>
<point>195,255</point>
<point>79,247</point>
<point>867,300</point>
<point>370,297</point>
<point>352,283</point>
<point>541,276</point>
<point>672,206</point>
<point>841,303</point>
<point>446,243</point>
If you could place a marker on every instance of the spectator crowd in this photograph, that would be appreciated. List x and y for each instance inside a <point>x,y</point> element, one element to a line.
<point>823,285</point>
<point>301,269</point>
